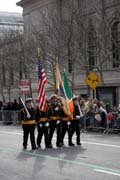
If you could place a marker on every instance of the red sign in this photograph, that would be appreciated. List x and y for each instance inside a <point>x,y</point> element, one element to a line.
<point>25,86</point>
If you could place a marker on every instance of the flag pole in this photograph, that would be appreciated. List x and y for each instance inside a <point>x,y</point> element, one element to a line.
<point>56,76</point>
<point>39,53</point>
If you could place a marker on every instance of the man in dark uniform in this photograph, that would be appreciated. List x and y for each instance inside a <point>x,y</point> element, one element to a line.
<point>66,122</point>
<point>76,120</point>
<point>55,123</point>
<point>28,123</point>
<point>42,126</point>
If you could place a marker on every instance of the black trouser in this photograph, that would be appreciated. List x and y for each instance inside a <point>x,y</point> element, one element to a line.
<point>42,130</point>
<point>76,128</point>
<point>53,126</point>
<point>66,128</point>
<point>103,120</point>
<point>29,129</point>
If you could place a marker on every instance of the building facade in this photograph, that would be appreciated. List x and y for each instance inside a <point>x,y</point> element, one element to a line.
<point>85,35</point>
<point>11,27</point>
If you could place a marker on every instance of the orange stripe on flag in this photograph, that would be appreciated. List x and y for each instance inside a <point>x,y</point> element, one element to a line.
<point>71,106</point>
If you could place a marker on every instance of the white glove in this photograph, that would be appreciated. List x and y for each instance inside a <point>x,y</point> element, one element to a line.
<point>47,124</point>
<point>81,115</point>
<point>58,122</point>
<point>40,125</point>
<point>68,123</point>
<point>28,116</point>
<point>77,117</point>
<point>56,109</point>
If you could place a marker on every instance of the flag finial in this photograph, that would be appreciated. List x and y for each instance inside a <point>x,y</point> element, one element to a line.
<point>57,59</point>
<point>39,52</point>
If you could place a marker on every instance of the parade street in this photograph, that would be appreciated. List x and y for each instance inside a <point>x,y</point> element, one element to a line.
<point>98,158</point>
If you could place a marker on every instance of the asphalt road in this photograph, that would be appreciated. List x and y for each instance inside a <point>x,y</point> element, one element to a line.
<point>98,158</point>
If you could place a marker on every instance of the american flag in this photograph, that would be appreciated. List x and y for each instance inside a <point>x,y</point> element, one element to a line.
<point>42,99</point>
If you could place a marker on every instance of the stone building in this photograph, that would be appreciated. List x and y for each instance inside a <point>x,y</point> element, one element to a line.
<point>11,24</point>
<point>84,34</point>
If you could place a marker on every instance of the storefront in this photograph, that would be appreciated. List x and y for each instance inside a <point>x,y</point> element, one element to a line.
<point>107,95</point>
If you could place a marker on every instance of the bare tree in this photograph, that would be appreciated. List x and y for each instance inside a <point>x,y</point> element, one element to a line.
<point>17,62</point>
<point>79,33</point>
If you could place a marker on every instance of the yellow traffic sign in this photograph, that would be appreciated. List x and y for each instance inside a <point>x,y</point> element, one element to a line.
<point>93,80</point>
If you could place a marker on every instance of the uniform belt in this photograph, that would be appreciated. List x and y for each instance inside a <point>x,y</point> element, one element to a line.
<point>42,119</point>
<point>64,118</point>
<point>54,118</point>
<point>28,122</point>
<point>75,119</point>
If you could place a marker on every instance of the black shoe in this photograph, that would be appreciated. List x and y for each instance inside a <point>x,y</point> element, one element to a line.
<point>49,146</point>
<point>78,143</point>
<point>59,145</point>
<point>71,144</point>
<point>24,147</point>
<point>33,148</point>
<point>39,146</point>
<point>62,143</point>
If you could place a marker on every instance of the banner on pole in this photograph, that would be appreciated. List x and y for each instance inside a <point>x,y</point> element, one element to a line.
<point>25,86</point>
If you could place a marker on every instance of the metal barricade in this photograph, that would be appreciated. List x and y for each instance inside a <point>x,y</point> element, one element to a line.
<point>10,117</point>
<point>0,116</point>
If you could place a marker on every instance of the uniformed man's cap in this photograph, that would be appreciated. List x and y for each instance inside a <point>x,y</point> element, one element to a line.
<point>75,97</point>
<point>86,96</point>
<point>53,96</point>
<point>28,99</point>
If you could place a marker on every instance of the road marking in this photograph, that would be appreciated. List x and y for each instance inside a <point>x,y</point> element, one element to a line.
<point>84,142</point>
<point>107,172</point>
<point>101,144</point>
<point>9,132</point>
<point>83,164</point>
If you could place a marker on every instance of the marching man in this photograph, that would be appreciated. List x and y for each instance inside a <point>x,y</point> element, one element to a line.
<point>28,123</point>
<point>76,120</point>
<point>42,126</point>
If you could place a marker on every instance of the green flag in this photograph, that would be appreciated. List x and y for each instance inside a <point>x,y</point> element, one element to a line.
<point>67,87</point>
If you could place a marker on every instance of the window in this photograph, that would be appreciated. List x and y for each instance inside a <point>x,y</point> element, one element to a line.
<point>70,66</point>
<point>20,71</point>
<point>11,76</point>
<point>3,75</point>
<point>91,47</point>
<point>25,71</point>
<point>70,61</point>
<point>116,43</point>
